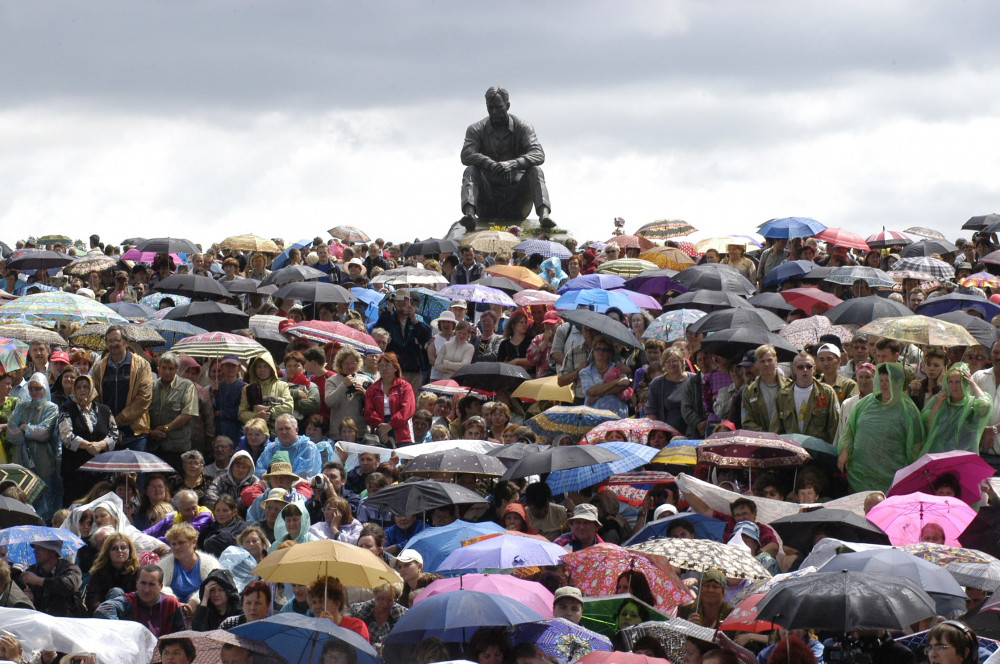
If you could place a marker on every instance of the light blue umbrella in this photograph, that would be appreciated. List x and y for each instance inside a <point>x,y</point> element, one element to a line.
<point>300,639</point>
<point>153,299</point>
<point>455,616</point>
<point>599,300</point>
<point>505,551</point>
<point>705,527</point>
<point>18,541</point>
<point>789,227</point>
<point>282,258</point>
<point>632,456</point>
<point>436,542</point>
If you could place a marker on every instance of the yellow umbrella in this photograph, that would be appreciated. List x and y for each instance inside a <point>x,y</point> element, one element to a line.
<point>306,562</point>
<point>682,455</point>
<point>544,389</point>
<point>670,257</point>
<point>250,242</point>
<point>926,331</point>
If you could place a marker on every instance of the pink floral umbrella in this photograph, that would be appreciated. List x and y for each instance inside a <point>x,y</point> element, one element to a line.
<point>804,331</point>
<point>636,430</point>
<point>903,517</point>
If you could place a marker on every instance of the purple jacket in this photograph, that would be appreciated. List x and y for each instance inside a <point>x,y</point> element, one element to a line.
<point>160,528</point>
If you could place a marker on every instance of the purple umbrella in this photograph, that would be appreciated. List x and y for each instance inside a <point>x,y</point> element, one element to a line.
<point>477,293</point>
<point>641,300</point>
<point>596,280</point>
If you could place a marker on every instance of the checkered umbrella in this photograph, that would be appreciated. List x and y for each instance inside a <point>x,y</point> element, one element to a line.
<point>633,455</point>
<point>545,248</point>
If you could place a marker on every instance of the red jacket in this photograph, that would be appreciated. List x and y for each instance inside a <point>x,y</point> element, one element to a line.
<point>402,406</point>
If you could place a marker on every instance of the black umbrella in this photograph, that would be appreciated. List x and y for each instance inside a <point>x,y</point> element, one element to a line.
<point>417,496</point>
<point>509,454</point>
<point>983,532</point>
<point>456,460</point>
<point>431,247</point>
<point>725,319</point>
<point>606,326</point>
<point>984,333</point>
<point>846,601</point>
<point>169,245</point>
<point>491,376</point>
<point>501,283</point>
<point>799,530</point>
<point>958,302</point>
<point>15,513</point>
<point>863,310</point>
<point>212,316</point>
<point>241,286</point>
<point>315,291</point>
<point>133,241</point>
<point>39,259</point>
<point>559,458</point>
<point>736,343</point>
<point>928,248</point>
<point>5,250</point>
<point>708,301</point>
<point>193,285</point>
<point>715,276</point>
<point>292,273</point>
<point>818,274</point>
<point>275,342</point>
<point>770,301</point>
<point>981,221</point>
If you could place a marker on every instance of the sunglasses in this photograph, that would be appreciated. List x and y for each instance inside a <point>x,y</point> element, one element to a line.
<point>804,366</point>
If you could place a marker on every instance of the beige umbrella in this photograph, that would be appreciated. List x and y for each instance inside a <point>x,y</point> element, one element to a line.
<point>492,242</point>
<point>250,242</point>
<point>306,562</point>
<point>925,331</point>
<point>29,333</point>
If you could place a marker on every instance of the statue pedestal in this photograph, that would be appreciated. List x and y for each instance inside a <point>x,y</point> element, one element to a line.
<point>530,229</point>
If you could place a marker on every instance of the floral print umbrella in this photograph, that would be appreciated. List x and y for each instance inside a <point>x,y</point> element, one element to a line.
<point>349,234</point>
<point>529,297</point>
<point>662,229</point>
<point>559,638</point>
<point>805,331</point>
<point>671,326</point>
<point>18,540</point>
<point>636,430</point>
<point>750,449</point>
<point>943,554</point>
<point>700,555</point>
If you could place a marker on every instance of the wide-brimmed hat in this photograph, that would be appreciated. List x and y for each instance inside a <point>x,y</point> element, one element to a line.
<point>446,317</point>
<point>279,469</point>
<point>585,512</point>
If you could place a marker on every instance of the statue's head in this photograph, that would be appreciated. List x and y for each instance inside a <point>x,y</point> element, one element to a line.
<point>497,103</point>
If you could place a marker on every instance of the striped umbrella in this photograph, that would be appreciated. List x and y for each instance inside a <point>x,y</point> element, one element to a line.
<point>886,239</point>
<point>935,267</point>
<point>153,299</point>
<point>331,331</point>
<point>218,344</point>
<point>626,267</point>
<point>13,354</point>
<point>574,420</point>
<point>127,461</point>
<point>634,241</point>
<point>671,257</point>
<point>172,331</point>
<point>349,234</point>
<point>545,248</point>
<point>528,297</point>
<point>96,262</point>
<point>26,480</point>
<point>842,238</point>
<point>477,293</point>
<point>49,309</point>
<point>662,229</point>
<point>250,242</point>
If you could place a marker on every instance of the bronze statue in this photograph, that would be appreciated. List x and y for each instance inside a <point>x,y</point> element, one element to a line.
<point>502,178</point>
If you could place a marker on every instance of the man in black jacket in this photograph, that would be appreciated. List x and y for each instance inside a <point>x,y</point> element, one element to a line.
<point>55,584</point>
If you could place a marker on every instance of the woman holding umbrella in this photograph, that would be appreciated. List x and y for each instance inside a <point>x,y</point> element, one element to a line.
<point>956,416</point>
<point>605,385</point>
<point>389,402</point>
<point>85,430</point>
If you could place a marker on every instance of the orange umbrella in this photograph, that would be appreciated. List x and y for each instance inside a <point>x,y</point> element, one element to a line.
<point>521,275</point>
<point>670,257</point>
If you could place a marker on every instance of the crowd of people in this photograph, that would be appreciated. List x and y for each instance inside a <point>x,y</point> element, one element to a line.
<point>289,446</point>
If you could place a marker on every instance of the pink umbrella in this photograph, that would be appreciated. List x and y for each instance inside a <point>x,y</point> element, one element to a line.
<point>804,331</point>
<point>903,517</point>
<point>968,467</point>
<point>641,300</point>
<point>842,238</point>
<point>134,254</point>
<point>530,593</point>
<point>528,297</point>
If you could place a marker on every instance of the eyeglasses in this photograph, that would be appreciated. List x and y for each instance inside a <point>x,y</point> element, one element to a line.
<point>804,366</point>
<point>120,547</point>
<point>36,388</point>
<point>938,647</point>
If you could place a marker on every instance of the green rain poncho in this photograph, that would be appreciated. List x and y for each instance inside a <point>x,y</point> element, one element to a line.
<point>882,437</point>
<point>957,425</point>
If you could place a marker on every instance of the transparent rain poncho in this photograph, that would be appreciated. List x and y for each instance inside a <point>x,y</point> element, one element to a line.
<point>957,425</point>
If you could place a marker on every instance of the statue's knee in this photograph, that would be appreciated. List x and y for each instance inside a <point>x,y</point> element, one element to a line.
<point>471,172</point>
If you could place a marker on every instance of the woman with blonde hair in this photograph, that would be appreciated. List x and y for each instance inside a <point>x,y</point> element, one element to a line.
<point>345,389</point>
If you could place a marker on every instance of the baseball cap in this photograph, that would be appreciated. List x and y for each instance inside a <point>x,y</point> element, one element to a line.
<point>748,359</point>
<point>552,317</point>
<point>568,591</point>
<point>59,356</point>
<point>748,528</point>
<point>828,348</point>
<point>409,556</point>
<point>231,358</point>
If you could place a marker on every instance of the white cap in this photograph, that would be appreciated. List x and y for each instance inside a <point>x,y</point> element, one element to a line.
<point>662,510</point>
<point>828,348</point>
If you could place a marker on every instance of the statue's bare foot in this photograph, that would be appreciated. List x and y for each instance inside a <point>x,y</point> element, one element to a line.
<point>468,220</point>
<point>545,221</point>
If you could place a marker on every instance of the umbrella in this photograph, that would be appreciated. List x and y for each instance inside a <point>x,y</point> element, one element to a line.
<point>595,280</point>
<point>531,594</point>
<point>132,310</point>
<point>504,551</point>
<point>544,389</point>
<point>636,430</point>
<point>601,613</point>
<point>434,464</point>
<point>770,301</point>
<point>127,461</point>
<point>805,331</point>
<point>789,227</point>
<point>250,242</point>
<point>663,229</point>
<point>515,451</point>
<point>168,245</point>
<point>641,300</point>
<point>958,302</point>
<point>153,299</point>
<point>300,639</point>
<point>595,571</point>
<point>656,282</point>
<point>528,297</point>
<point>673,633</point>
<point>501,283</point>
<point>193,285</point>
<point>559,638</point>
<point>455,616</point>
<point>984,333</point>
<point>446,388</point>
<point>923,231</point>
<point>137,256</point>
<point>491,376</point>
<point>934,580</point>
<point>982,533</point>
<point>92,336</point>
<point>519,275</point>
<point>788,270</point>
<point>331,331</point>
<point>208,646</point>
<point>315,291</point>
<point>431,247</point>
<point>967,467</point>
<point>39,259</point>
<point>477,293</point>
<point>981,221</point>
<point>633,455</point>
<point>750,449</point>
<point>15,513</point>
<point>282,259</point>
<point>808,298</point>
<point>14,354</point>
<point>219,344</point>
<point>902,517</point>
<point>308,561</point>
<point>863,310</point>
<point>90,263</point>
<point>292,273</point>
<point>349,234</point>
<point>240,286</point>
<point>924,331</point>
<point>708,301</point>
<point>26,480</point>
<point>626,267</point>
<point>799,530</point>
<point>596,299</point>
<point>705,527</point>
<point>559,458</point>
<point>434,543</point>
<point>980,280</point>
<point>712,276</point>
<point>492,242</point>
<point>885,239</point>
<point>842,238</point>
<point>736,343</point>
<point>18,540</point>
<point>543,247</point>
<point>725,319</point>
<point>721,243</point>
<point>619,657</point>
<point>632,487</point>
<point>818,449</point>
<point>172,331</point>
<point>846,601</point>
<point>625,240</point>
<point>410,276</point>
<point>574,420</point>
<point>671,257</point>
<point>54,238</point>
<point>610,328</point>
<point>944,554</point>
<point>700,555</point>
<point>848,274</point>
<point>51,308</point>
<point>928,247</point>
<point>984,576</point>
<point>210,316</point>
<point>934,267</point>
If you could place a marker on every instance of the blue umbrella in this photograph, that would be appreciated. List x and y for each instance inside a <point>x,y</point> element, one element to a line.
<point>562,639</point>
<point>172,330</point>
<point>436,542</point>
<point>367,304</point>
<point>505,551</point>
<point>431,304</point>
<point>958,302</point>
<point>544,247</point>
<point>596,280</point>
<point>282,258</point>
<point>787,270</point>
<point>300,639</point>
<point>18,541</point>
<point>789,227</point>
<point>705,527</point>
<point>632,456</point>
<point>455,616</point>
<point>599,300</point>
<point>153,299</point>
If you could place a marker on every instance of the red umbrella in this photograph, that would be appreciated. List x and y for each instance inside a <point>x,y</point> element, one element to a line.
<point>636,430</point>
<point>968,467</point>
<point>842,238</point>
<point>595,571</point>
<point>743,617</point>
<point>624,241</point>
<point>750,449</point>
<point>807,298</point>
<point>888,239</point>
<point>631,487</point>
<point>322,331</point>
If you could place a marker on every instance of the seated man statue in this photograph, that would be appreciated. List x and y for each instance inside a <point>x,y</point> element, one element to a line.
<point>502,177</point>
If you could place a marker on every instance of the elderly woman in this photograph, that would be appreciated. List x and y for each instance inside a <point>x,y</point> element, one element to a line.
<point>454,353</point>
<point>117,566</point>
<point>605,384</point>
<point>345,389</point>
<point>736,258</point>
<point>338,522</point>
<point>292,524</point>
<point>193,464</point>
<point>956,417</point>
<point>85,430</point>
<point>34,444</point>
<point>389,402</point>
<point>185,568</point>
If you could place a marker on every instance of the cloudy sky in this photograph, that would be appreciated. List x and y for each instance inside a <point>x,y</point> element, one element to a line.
<point>205,119</point>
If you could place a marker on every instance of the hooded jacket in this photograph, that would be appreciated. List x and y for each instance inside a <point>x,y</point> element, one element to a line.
<point>956,425</point>
<point>518,509</point>
<point>206,617</point>
<point>113,504</point>
<point>281,530</point>
<point>227,484</point>
<point>36,448</point>
<point>271,392</point>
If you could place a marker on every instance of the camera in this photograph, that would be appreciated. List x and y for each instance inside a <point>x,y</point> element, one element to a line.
<point>851,651</point>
